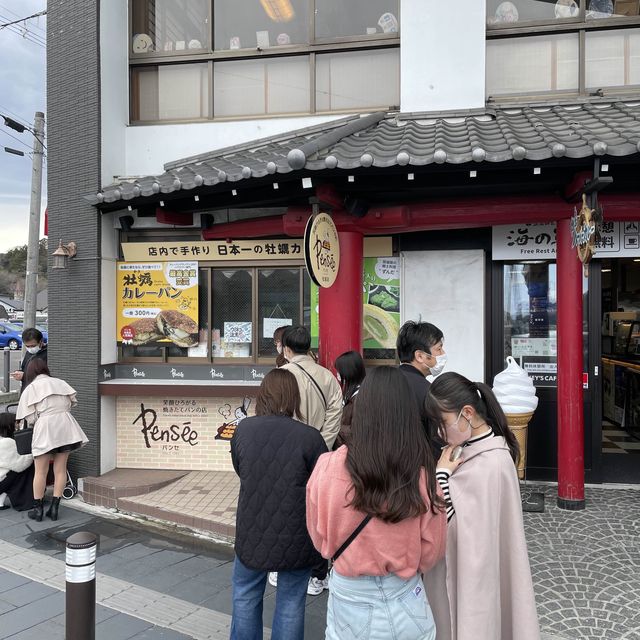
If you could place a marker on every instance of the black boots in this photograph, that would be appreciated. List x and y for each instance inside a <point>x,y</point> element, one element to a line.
<point>52,511</point>
<point>36,512</point>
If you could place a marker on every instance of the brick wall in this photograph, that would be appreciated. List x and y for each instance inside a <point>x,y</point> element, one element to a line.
<point>141,446</point>
<point>73,170</point>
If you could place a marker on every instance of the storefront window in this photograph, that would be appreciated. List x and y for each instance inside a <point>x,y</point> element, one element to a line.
<point>278,305</point>
<point>232,293</point>
<point>170,26</point>
<point>260,24</point>
<point>337,19</point>
<point>170,92</point>
<point>612,58</point>
<point>604,9</point>
<point>530,334</point>
<point>259,87</point>
<point>532,64</point>
<point>356,80</point>
<point>510,13</point>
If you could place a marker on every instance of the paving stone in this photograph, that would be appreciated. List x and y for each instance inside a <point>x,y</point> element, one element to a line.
<point>30,615</point>
<point>120,627</point>
<point>10,581</point>
<point>27,593</point>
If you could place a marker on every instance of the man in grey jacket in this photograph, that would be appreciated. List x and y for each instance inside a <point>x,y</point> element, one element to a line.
<point>321,406</point>
<point>320,394</point>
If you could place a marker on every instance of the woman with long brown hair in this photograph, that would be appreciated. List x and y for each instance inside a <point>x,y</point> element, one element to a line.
<point>46,403</point>
<point>372,506</point>
<point>483,588</point>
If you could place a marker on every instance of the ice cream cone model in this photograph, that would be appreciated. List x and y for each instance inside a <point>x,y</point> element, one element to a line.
<point>516,394</point>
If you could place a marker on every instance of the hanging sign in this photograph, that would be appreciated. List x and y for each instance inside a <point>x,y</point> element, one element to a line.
<point>322,250</point>
<point>583,232</point>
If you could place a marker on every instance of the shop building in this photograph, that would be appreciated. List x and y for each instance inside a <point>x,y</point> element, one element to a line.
<point>191,141</point>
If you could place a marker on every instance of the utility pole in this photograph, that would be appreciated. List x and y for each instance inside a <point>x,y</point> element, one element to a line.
<point>33,247</point>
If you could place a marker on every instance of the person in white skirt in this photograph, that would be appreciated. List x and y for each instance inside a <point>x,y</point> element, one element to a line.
<point>46,403</point>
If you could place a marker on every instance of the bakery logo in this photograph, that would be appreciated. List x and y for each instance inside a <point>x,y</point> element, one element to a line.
<point>216,374</point>
<point>322,250</point>
<point>257,375</point>
<point>138,374</point>
<point>584,231</point>
<point>228,427</point>
<point>177,374</point>
<point>151,432</point>
<point>106,374</point>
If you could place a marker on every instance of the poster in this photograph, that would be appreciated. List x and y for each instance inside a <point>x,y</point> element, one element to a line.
<point>269,325</point>
<point>238,332</point>
<point>381,302</point>
<point>157,302</point>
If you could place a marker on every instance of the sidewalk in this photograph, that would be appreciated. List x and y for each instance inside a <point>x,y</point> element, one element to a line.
<point>163,584</point>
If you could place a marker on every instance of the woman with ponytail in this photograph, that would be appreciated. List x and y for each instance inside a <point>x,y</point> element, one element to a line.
<point>482,589</point>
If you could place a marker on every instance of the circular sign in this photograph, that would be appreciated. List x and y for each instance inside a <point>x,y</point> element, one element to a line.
<point>583,231</point>
<point>322,250</point>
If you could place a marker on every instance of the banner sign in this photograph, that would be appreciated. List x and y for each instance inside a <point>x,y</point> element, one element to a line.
<point>157,302</point>
<point>538,241</point>
<point>381,298</point>
<point>322,250</point>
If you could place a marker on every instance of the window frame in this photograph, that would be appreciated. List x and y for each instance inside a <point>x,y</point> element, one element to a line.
<point>580,25</point>
<point>211,56</point>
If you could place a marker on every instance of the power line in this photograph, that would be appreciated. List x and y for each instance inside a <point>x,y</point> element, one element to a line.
<point>34,15</point>
<point>24,32</point>
<point>16,15</point>
<point>16,139</point>
<point>25,35</point>
<point>20,119</point>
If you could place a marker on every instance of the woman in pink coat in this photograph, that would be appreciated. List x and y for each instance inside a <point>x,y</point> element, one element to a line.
<point>377,495</point>
<point>482,590</point>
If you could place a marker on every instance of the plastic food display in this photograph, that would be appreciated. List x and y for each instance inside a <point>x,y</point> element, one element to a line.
<point>566,9</point>
<point>507,12</point>
<point>600,8</point>
<point>516,394</point>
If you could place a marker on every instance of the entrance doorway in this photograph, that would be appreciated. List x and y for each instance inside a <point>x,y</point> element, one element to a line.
<point>620,366</point>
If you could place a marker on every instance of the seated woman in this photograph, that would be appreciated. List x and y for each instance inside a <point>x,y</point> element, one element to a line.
<point>16,471</point>
<point>274,456</point>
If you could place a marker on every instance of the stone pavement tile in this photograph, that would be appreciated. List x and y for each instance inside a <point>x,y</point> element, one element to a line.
<point>120,627</point>
<point>102,613</point>
<point>28,616</point>
<point>5,606</point>
<point>10,580</point>
<point>48,630</point>
<point>26,593</point>
<point>197,590</point>
<point>159,633</point>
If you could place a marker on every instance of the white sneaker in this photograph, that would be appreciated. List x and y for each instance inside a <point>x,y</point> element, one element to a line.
<point>317,586</point>
<point>273,578</point>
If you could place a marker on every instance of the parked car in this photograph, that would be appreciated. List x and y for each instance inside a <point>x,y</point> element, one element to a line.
<point>41,327</point>
<point>10,336</point>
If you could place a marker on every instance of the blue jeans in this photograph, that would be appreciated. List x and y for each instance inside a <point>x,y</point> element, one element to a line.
<point>248,592</point>
<point>378,608</point>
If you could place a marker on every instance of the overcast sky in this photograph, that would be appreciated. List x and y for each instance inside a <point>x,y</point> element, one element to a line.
<point>22,93</point>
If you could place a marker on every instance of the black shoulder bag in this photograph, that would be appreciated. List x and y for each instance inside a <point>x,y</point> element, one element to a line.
<point>350,539</point>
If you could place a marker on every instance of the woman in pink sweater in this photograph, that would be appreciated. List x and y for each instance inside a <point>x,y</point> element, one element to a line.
<point>382,489</point>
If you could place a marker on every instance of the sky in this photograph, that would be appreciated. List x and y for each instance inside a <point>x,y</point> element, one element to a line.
<point>22,93</point>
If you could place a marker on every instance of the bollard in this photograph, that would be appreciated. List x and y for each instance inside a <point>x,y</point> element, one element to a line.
<point>7,369</point>
<point>80,606</point>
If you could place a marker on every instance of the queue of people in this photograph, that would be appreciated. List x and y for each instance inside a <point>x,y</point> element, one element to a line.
<point>411,491</point>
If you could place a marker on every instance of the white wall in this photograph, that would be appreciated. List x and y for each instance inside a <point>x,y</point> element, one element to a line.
<point>149,147</point>
<point>114,97</point>
<point>108,434</point>
<point>442,55</point>
<point>447,288</point>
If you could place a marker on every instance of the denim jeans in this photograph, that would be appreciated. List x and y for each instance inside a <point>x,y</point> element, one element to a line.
<point>378,608</point>
<point>248,591</point>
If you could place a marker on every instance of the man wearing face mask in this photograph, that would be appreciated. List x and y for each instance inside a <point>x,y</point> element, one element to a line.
<point>33,341</point>
<point>421,354</point>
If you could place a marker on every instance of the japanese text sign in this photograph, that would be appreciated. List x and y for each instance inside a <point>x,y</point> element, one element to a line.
<point>157,302</point>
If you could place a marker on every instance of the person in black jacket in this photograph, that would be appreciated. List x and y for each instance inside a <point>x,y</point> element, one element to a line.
<point>421,353</point>
<point>274,456</point>
<point>36,347</point>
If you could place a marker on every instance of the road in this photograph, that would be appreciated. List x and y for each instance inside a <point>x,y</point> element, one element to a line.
<point>15,357</point>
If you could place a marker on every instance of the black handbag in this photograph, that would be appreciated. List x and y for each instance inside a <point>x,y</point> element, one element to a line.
<point>23,439</point>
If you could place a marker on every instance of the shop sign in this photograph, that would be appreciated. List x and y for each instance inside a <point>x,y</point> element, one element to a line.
<point>542,374</point>
<point>157,302</point>
<point>381,302</point>
<point>583,231</point>
<point>533,347</point>
<point>180,373</point>
<point>322,250</point>
<point>214,250</point>
<point>223,251</point>
<point>538,241</point>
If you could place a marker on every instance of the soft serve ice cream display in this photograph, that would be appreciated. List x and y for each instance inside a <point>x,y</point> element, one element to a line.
<point>516,394</point>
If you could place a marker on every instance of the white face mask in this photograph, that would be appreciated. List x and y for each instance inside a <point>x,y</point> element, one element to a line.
<point>454,436</point>
<point>33,350</point>
<point>439,366</point>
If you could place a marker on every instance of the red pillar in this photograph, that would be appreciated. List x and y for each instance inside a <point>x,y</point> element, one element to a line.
<point>570,400</point>
<point>341,304</point>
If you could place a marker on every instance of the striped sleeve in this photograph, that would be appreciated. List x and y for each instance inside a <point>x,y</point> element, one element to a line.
<point>442,476</point>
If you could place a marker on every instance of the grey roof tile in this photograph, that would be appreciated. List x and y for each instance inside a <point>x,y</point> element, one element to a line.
<point>386,140</point>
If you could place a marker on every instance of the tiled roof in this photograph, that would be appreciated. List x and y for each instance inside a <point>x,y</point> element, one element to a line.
<point>387,140</point>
